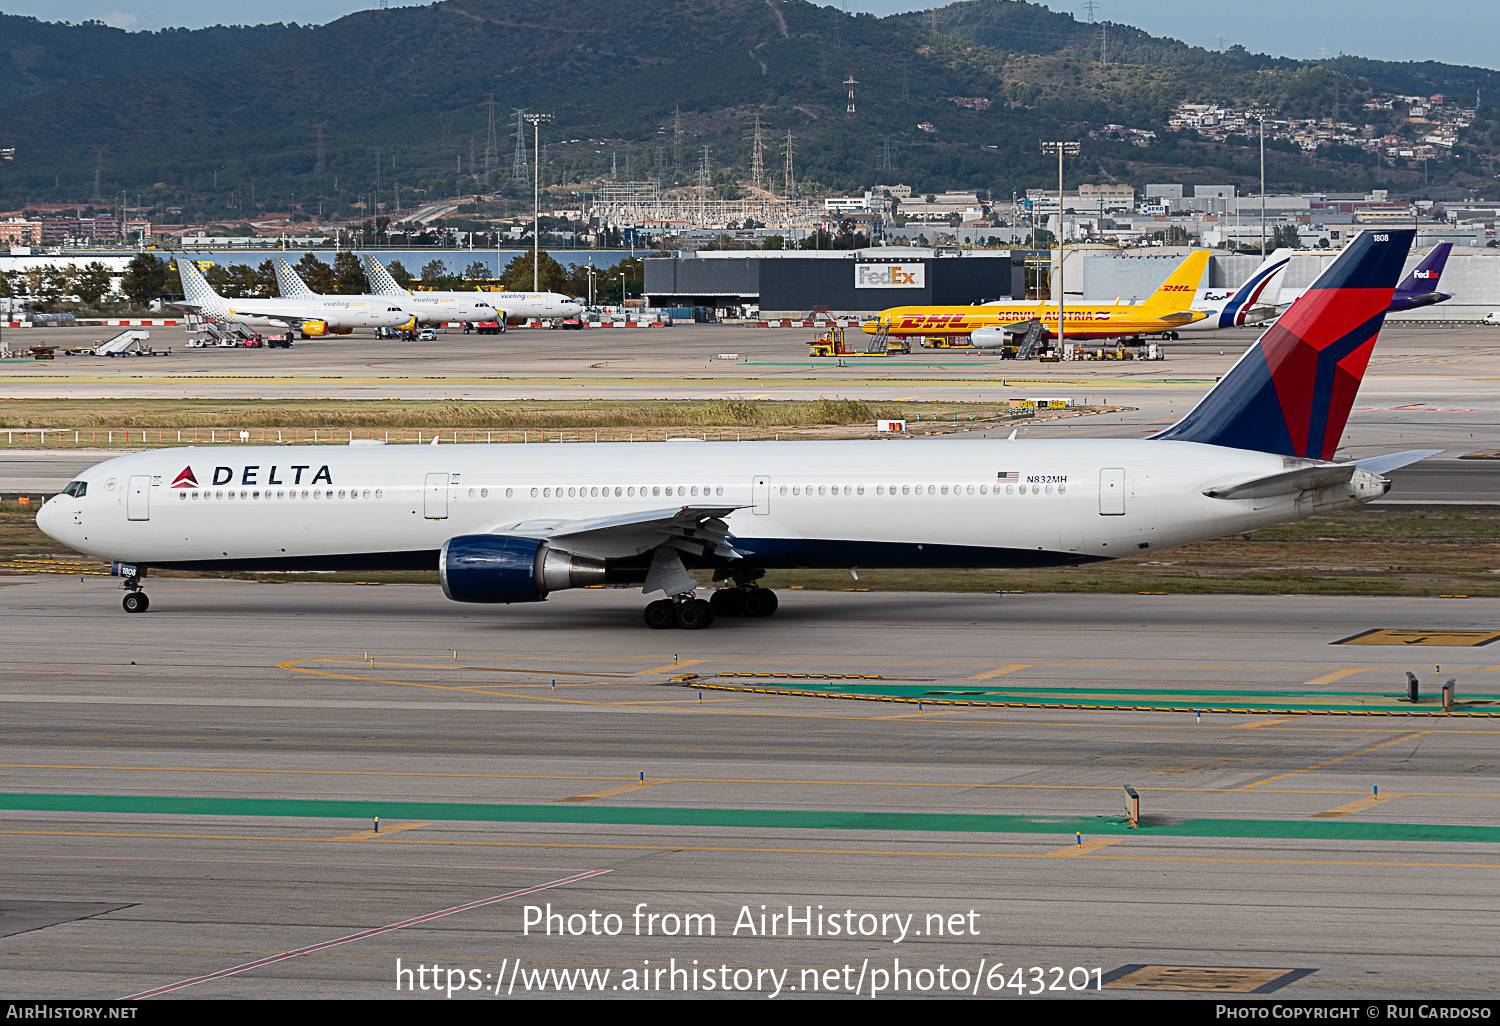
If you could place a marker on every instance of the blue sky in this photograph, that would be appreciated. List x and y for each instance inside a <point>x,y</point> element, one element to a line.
<point>1454,31</point>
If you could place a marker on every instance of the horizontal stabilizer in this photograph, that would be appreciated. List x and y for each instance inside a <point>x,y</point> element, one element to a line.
<point>1288,482</point>
<point>1394,460</point>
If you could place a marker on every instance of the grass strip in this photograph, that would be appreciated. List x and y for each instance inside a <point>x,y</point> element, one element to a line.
<point>805,819</point>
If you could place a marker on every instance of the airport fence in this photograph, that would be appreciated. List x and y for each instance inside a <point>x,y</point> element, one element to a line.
<point>153,438</point>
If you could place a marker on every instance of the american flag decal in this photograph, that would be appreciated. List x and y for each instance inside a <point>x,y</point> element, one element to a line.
<point>1008,475</point>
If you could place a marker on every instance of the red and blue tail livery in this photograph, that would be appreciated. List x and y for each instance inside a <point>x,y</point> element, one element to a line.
<point>1291,393</point>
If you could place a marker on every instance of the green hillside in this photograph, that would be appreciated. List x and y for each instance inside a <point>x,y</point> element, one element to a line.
<point>39,56</point>
<point>401,97</point>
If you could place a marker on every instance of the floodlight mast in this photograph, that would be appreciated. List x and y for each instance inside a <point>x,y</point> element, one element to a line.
<point>1071,149</point>
<point>6,156</point>
<point>536,199</point>
<point>1260,114</point>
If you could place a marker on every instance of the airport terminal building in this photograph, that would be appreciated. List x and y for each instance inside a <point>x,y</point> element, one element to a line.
<point>848,281</point>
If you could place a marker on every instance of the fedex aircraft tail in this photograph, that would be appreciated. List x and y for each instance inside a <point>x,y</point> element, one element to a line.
<point>290,283</point>
<point>381,282</point>
<point>1292,391</point>
<point>1177,292</point>
<point>1419,288</point>
<point>198,292</point>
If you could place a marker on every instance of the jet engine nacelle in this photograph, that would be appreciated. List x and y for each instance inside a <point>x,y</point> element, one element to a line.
<point>314,329</point>
<point>498,568</point>
<point>992,338</point>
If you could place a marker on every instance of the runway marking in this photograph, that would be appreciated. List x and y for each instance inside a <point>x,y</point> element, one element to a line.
<point>1340,758</point>
<point>672,666</point>
<point>1000,671</point>
<point>363,934</point>
<point>373,835</point>
<point>1413,636</point>
<point>746,849</point>
<point>1255,724</point>
<point>1093,844</point>
<point>610,792</point>
<point>753,781</point>
<point>1360,805</point>
<point>1329,678</point>
<point>1199,978</point>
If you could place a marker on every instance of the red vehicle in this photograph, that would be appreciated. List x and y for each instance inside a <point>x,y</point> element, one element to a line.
<point>567,323</point>
<point>488,328</point>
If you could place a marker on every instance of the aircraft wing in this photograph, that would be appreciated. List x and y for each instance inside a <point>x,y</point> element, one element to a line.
<point>695,529</point>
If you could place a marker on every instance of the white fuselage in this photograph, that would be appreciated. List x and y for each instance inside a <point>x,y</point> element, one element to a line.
<point>980,503</point>
<point>475,307</point>
<point>338,312</point>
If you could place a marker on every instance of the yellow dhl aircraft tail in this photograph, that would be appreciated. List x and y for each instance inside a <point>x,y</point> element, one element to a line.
<point>1176,293</point>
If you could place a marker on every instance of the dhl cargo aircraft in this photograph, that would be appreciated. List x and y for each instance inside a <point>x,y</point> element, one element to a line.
<point>1165,310</point>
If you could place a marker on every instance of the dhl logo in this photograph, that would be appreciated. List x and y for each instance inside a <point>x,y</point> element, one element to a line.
<point>1175,288</point>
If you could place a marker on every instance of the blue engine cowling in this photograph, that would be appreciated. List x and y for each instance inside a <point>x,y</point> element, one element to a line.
<point>499,568</point>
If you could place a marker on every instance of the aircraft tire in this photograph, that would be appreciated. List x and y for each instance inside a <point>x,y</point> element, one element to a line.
<point>661,615</point>
<point>135,602</point>
<point>727,602</point>
<point>760,602</point>
<point>695,615</point>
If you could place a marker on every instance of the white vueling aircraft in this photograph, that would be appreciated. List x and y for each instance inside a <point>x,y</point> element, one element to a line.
<point>502,524</point>
<point>437,307</point>
<point>312,315</point>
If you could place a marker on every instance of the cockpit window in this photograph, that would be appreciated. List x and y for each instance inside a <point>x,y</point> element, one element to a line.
<point>77,489</point>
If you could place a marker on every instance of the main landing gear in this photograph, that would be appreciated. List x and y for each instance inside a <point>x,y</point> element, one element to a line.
<point>135,600</point>
<point>694,614</point>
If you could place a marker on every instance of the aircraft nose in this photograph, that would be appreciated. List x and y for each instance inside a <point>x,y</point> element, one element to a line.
<point>44,517</point>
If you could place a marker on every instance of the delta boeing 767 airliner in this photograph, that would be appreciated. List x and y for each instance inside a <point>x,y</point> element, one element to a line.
<point>509,523</point>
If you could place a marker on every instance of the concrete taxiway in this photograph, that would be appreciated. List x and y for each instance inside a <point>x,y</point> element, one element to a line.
<point>194,791</point>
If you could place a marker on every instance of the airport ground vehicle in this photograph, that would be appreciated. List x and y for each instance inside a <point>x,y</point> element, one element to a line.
<point>567,323</point>
<point>1493,317</point>
<point>507,524</point>
<point>834,342</point>
<point>427,335</point>
<point>489,328</point>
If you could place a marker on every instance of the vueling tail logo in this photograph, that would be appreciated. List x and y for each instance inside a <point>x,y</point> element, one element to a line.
<point>185,479</point>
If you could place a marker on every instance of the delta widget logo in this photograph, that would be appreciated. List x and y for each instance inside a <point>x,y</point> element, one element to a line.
<point>185,479</point>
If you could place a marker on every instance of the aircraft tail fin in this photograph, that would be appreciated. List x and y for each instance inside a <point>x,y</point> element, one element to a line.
<point>1292,391</point>
<point>1177,292</point>
<point>290,283</point>
<point>1260,288</point>
<point>381,282</point>
<point>196,290</point>
<point>1425,276</point>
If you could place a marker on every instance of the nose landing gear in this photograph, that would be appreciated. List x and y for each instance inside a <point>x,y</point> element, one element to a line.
<point>135,600</point>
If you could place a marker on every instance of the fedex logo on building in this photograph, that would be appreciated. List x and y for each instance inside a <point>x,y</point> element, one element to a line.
<point>890,276</point>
